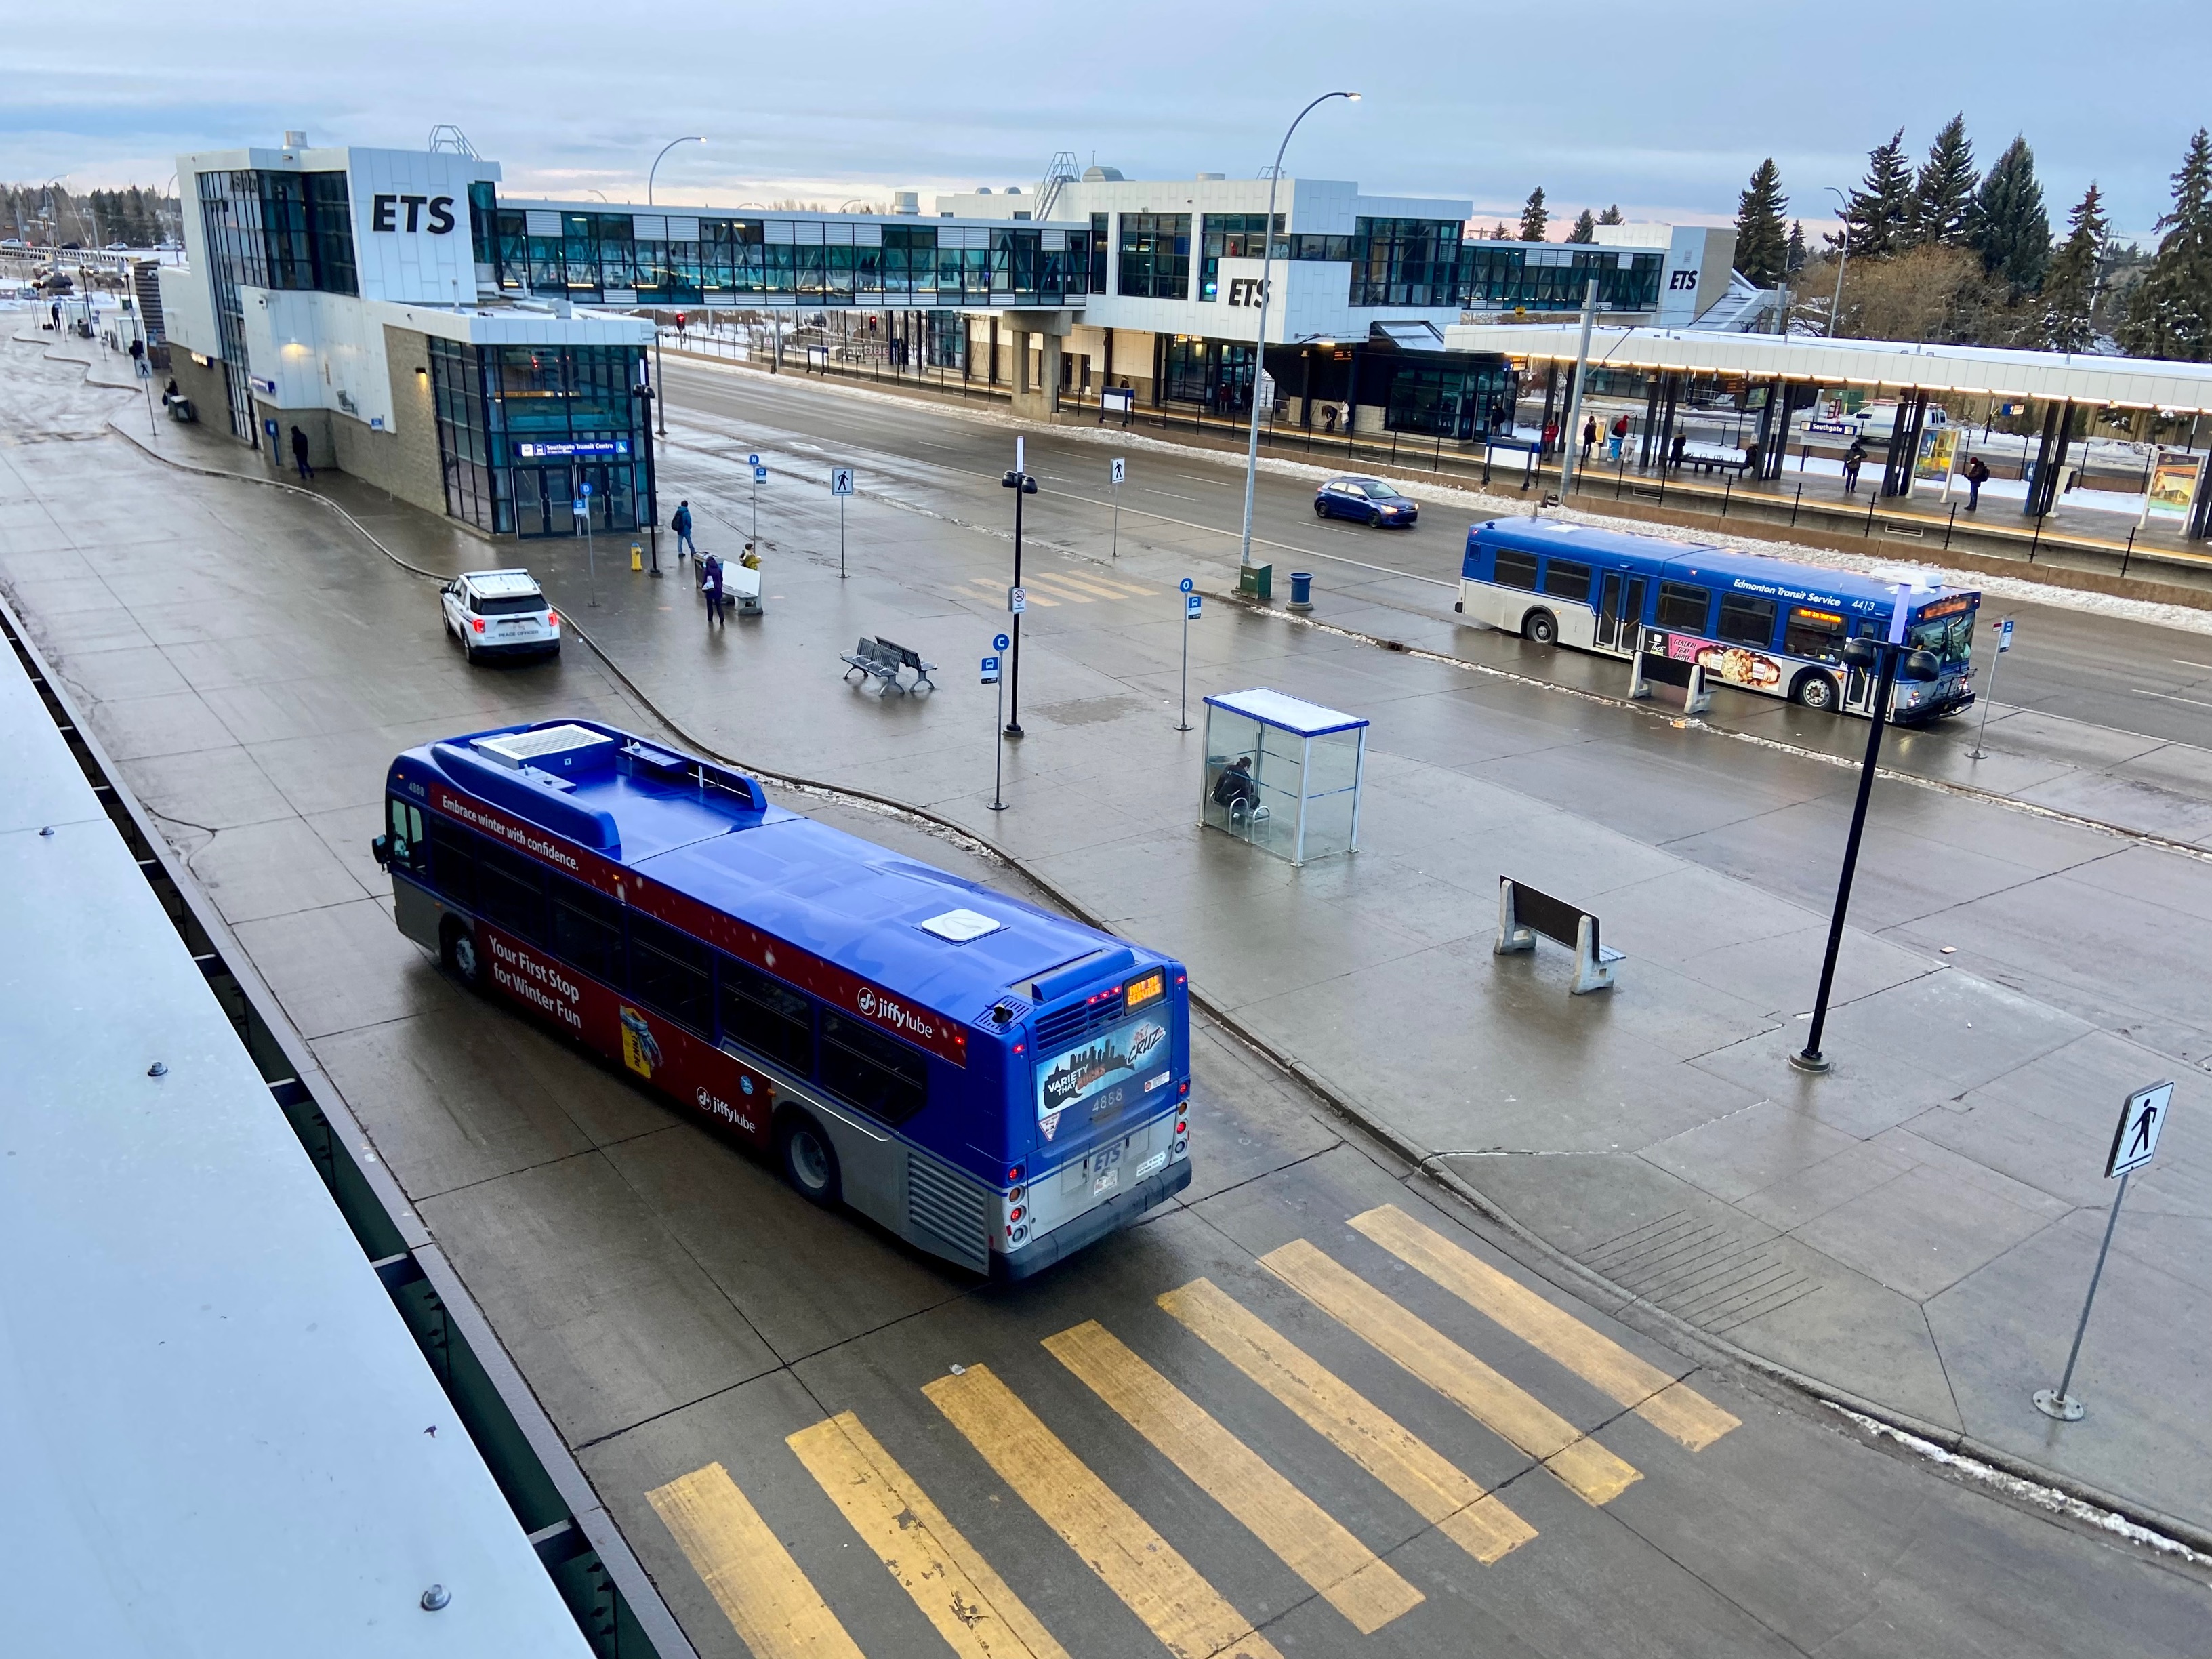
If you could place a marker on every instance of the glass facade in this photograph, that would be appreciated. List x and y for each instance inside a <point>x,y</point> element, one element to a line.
<point>600,256</point>
<point>276,230</point>
<point>1231,236</point>
<point>1459,402</point>
<point>1406,262</point>
<point>1216,373</point>
<point>522,429</point>
<point>1506,276</point>
<point>1156,256</point>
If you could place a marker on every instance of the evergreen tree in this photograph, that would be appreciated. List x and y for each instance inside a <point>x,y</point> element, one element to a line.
<point>1796,262</point>
<point>2010,229</point>
<point>1943,195</point>
<point>1612,215</point>
<point>1880,213</point>
<point>1585,228</point>
<point>1762,248</point>
<point>2169,312</point>
<point>1504,233</point>
<point>2069,290</point>
<point>1534,219</point>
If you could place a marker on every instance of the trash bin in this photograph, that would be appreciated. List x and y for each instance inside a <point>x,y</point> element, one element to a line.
<point>1301,590</point>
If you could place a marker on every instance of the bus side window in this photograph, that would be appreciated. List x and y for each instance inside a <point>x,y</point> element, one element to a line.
<point>454,863</point>
<point>1682,608</point>
<point>1746,621</point>
<point>767,1016</point>
<point>510,891</point>
<point>1814,634</point>
<point>668,969</point>
<point>1515,569</point>
<point>588,929</point>
<point>1565,579</point>
<point>874,1071</point>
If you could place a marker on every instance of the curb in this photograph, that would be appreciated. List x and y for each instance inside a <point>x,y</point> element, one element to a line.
<point>1556,1265</point>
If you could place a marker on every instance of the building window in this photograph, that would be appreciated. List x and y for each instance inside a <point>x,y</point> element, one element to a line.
<point>1232,236</point>
<point>1155,255</point>
<point>1456,403</point>
<point>1098,229</point>
<point>330,233</point>
<point>1406,262</point>
<point>1513,276</point>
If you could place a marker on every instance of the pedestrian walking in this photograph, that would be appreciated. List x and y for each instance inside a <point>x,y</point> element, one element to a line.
<point>1853,459</point>
<point>1589,437</point>
<point>1978,474</point>
<point>712,587</point>
<point>56,309</point>
<point>138,360</point>
<point>681,524</point>
<point>300,454</point>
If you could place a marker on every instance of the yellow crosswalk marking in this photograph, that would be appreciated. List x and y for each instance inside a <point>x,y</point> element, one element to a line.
<point>1428,1483</point>
<point>1000,589</point>
<point>1673,1407</point>
<point>745,1566</point>
<point>1090,586</point>
<point>1191,1620</point>
<point>976,1612</point>
<point>1588,1469</point>
<point>1367,1591</point>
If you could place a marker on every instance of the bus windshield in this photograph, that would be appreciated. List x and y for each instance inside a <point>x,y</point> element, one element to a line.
<point>1951,638</point>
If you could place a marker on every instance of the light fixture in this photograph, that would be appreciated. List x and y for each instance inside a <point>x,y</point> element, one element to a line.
<point>421,372</point>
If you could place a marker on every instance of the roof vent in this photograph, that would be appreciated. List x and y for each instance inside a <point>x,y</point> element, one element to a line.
<point>1095,175</point>
<point>295,140</point>
<point>515,750</point>
<point>1209,178</point>
<point>958,926</point>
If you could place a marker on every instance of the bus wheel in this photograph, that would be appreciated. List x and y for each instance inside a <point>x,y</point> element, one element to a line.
<point>809,1163</point>
<point>1814,690</point>
<point>1541,627</point>
<point>457,949</point>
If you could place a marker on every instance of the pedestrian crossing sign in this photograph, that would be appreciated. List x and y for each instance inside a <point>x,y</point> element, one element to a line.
<point>2140,1120</point>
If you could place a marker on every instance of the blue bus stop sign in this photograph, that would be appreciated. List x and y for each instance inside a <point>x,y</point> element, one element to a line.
<point>760,474</point>
<point>585,488</point>
<point>990,671</point>
<point>1190,605</point>
<point>1184,585</point>
<point>752,460</point>
<point>2004,635</point>
<point>1000,641</point>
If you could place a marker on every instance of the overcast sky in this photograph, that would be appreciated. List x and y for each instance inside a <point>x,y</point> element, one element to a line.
<point>1663,109</point>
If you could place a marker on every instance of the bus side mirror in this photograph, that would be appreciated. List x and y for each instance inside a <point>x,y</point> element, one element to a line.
<point>1862,654</point>
<point>380,849</point>
<point>1920,665</point>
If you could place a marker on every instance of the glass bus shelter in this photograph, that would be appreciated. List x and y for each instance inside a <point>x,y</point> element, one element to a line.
<point>1282,775</point>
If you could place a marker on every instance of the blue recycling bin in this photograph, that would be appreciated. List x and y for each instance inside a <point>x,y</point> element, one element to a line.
<point>1302,587</point>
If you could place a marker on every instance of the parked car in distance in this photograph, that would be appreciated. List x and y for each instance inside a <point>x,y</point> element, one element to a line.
<point>1368,500</point>
<point>499,613</point>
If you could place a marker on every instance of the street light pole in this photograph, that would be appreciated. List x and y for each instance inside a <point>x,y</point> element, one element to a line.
<point>1843,264</point>
<point>660,378</point>
<point>1260,341</point>
<point>1575,398</point>
<point>1022,484</point>
<point>1891,660</point>
<point>689,138</point>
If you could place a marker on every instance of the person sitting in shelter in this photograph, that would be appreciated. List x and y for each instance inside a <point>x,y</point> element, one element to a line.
<point>1234,789</point>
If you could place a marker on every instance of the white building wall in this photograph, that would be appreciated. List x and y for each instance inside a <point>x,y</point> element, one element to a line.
<point>424,265</point>
<point>188,311</point>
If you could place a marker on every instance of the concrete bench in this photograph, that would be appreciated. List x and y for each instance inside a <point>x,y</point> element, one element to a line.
<point>1722,461</point>
<point>909,660</point>
<point>1523,912</point>
<point>871,660</point>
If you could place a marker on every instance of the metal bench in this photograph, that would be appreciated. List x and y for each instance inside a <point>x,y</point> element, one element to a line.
<point>909,660</point>
<point>1523,912</point>
<point>870,658</point>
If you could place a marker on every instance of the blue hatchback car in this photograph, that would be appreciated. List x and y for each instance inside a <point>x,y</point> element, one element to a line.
<point>1368,500</point>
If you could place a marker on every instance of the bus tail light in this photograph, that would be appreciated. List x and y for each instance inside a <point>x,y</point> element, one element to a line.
<point>1015,1196</point>
<point>1016,1214</point>
<point>1015,1174</point>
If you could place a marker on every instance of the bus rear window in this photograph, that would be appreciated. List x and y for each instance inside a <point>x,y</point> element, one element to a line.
<point>877,1074</point>
<point>1566,579</point>
<point>1515,569</point>
<point>1745,621</point>
<point>1682,608</point>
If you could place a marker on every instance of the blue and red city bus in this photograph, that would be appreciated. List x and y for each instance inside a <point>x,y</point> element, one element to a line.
<point>996,1084</point>
<point>1751,621</point>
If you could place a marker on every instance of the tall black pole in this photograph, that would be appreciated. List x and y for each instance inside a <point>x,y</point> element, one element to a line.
<point>1014,690</point>
<point>1809,1058</point>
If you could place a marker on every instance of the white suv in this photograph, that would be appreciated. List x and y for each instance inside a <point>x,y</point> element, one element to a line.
<point>499,613</point>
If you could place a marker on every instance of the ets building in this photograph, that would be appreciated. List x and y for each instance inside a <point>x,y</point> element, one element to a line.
<point>482,355</point>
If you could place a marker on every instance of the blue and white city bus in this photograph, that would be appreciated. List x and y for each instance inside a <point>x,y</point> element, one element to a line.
<point>1757,624</point>
<point>996,1084</point>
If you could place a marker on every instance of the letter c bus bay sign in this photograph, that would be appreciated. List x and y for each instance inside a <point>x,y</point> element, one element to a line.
<point>923,1027</point>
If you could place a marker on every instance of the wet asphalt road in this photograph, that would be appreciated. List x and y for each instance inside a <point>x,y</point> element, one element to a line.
<point>2111,672</point>
<point>678,1311</point>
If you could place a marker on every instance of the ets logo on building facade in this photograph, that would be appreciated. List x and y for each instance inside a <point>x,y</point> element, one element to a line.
<point>385,210</point>
<point>410,223</point>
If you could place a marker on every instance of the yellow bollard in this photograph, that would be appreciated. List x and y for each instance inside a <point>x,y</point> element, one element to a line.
<point>636,556</point>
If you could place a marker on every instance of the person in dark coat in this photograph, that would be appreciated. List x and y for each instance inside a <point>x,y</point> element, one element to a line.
<point>300,454</point>
<point>712,586</point>
<point>1589,437</point>
<point>681,524</point>
<point>1978,474</point>
<point>1853,459</point>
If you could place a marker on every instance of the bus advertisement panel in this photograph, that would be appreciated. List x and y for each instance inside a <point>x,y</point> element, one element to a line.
<point>997,1084</point>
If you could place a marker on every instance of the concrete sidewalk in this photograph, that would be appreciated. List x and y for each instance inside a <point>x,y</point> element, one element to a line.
<point>1913,1230</point>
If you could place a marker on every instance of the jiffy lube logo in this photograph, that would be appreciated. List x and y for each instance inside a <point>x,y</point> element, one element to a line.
<point>890,1011</point>
<point>866,1001</point>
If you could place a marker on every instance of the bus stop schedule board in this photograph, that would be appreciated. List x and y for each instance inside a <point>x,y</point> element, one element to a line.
<point>1302,766</point>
